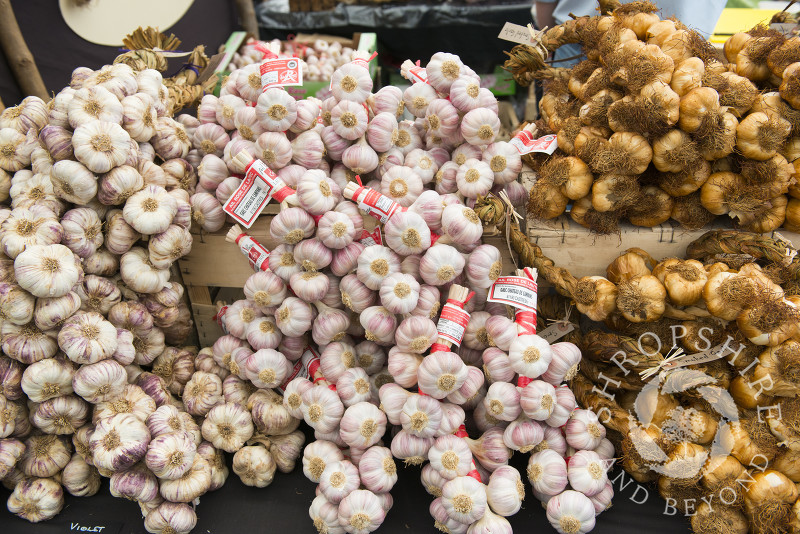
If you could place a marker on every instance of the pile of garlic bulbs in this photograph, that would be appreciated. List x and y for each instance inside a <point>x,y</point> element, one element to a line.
<point>320,59</point>
<point>92,326</point>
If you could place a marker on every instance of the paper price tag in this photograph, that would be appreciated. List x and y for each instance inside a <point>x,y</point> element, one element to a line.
<point>220,318</point>
<point>452,324</point>
<point>252,195</point>
<point>525,143</point>
<point>298,370</point>
<point>281,73</point>
<point>516,34</point>
<point>714,353</point>
<point>368,239</point>
<point>553,333</point>
<point>517,291</point>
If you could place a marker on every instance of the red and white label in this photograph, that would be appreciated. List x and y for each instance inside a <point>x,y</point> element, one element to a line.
<point>368,239</point>
<point>452,323</point>
<point>252,195</point>
<point>526,321</point>
<point>517,291</point>
<point>281,73</point>
<point>360,62</point>
<point>379,206</point>
<point>256,253</point>
<point>525,143</point>
<point>220,318</point>
<point>299,370</point>
<point>311,362</point>
<point>417,74</point>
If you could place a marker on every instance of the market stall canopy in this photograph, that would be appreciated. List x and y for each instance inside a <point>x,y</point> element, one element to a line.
<point>106,22</point>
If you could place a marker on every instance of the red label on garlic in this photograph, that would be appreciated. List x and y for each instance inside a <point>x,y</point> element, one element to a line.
<point>525,143</point>
<point>526,321</point>
<point>368,239</point>
<point>254,193</point>
<point>219,318</point>
<point>452,324</point>
<point>256,253</point>
<point>516,291</point>
<point>379,206</point>
<point>311,362</point>
<point>281,73</point>
<point>299,370</point>
<point>418,75</point>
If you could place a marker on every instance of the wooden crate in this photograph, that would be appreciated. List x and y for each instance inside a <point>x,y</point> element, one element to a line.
<point>574,247</point>
<point>215,271</point>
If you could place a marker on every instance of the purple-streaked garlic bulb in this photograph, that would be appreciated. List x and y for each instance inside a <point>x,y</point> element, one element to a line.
<point>322,409</point>
<point>282,262</point>
<point>312,255</point>
<point>403,367</point>
<point>317,193</point>
<point>274,149</point>
<point>480,126</point>
<point>462,225</point>
<point>382,131</point>
<point>485,265</point>
<point>349,120</point>
<point>502,401</point>
<point>360,157</point>
<point>351,82</point>
<point>416,334</point>
<point>417,97</point>
<point>428,303</point>
<point>308,149</point>
<point>376,263</point>
<point>355,295</point>
<point>537,400</point>
<point>472,391</point>
<point>336,230</point>
<point>362,425</point>
<point>379,325</point>
<point>530,355</point>
<point>421,416</point>
<point>523,434</point>
<point>407,233</point>
<point>410,448</point>
<point>294,317</point>
<point>353,386</point>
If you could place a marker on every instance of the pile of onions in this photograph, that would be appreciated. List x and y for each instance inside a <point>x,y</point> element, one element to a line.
<point>695,430</point>
<point>653,125</point>
<point>319,59</point>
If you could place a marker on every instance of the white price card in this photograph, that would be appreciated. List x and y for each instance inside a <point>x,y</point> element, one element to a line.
<point>251,196</point>
<point>517,291</point>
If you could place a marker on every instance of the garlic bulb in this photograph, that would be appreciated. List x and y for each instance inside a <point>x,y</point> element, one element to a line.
<point>23,227</point>
<point>117,185</point>
<point>325,516</point>
<point>168,419</point>
<point>170,456</point>
<point>119,442</point>
<point>194,483</point>
<point>27,344</point>
<point>36,499</point>
<point>202,392</point>
<point>441,264</point>
<point>132,400</point>
<point>338,480</point>
<point>537,400</point>
<point>361,512</point>
<point>316,193</point>
<point>140,274</point>
<point>547,472</point>
<point>47,379</point>
<point>376,263</point>
<point>583,430</point>
<point>587,473</point>
<point>402,185</point>
<point>317,455</point>
<point>530,355</point>
<point>571,512</point>
<point>362,425</point>
<point>407,233</point>
<point>101,145</point>
<point>505,491</point>
<point>170,140</point>
<point>16,304</point>
<point>82,231</point>
<point>178,518</point>
<point>464,499</point>
<point>91,104</point>
<point>79,478</point>
<point>168,246</point>
<point>254,465</point>
<point>441,373</point>
<point>227,426</point>
<point>47,270</point>
<point>461,224</point>
<point>88,338</point>
<point>61,415</point>
<point>276,109</point>
<point>151,210</point>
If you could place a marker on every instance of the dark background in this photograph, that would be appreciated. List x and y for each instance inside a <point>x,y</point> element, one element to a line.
<point>283,507</point>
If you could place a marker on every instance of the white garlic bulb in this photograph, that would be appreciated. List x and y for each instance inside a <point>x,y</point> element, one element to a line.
<point>464,498</point>
<point>254,465</point>
<point>151,210</point>
<point>23,227</point>
<point>73,182</point>
<point>47,270</point>
<point>47,379</point>
<point>100,382</point>
<point>140,274</point>
<point>88,338</point>
<point>338,480</point>
<point>79,478</point>
<point>227,426</point>
<point>101,145</point>
<point>362,425</point>
<point>361,512</point>
<point>571,512</point>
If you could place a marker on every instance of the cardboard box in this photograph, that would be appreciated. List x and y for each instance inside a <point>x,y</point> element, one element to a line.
<point>584,253</point>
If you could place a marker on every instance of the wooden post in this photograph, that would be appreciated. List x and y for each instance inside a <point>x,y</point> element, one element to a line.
<point>247,14</point>
<point>18,55</point>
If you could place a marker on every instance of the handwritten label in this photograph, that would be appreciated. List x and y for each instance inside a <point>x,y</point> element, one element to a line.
<point>714,353</point>
<point>516,34</point>
<point>108,527</point>
<point>554,332</point>
<point>525,143</point>
<point>452,323</point>
<point>281,73</point>
<point>517,291</point>
<point>246,203</point>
